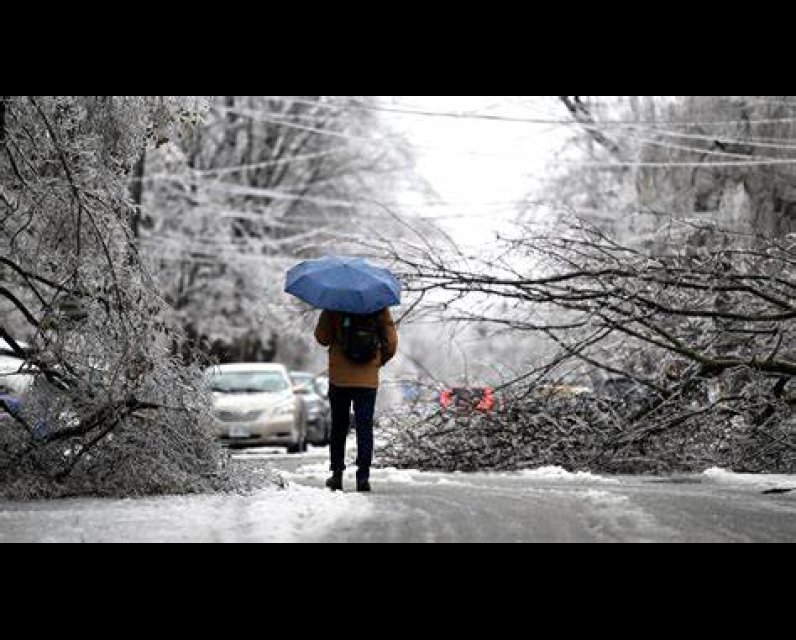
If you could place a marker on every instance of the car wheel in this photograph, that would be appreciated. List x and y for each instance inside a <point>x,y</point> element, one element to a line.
<point>300,446</point>
<point>294,448</point>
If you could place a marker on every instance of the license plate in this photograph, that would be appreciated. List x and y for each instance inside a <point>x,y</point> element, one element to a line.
<point>239,432</point>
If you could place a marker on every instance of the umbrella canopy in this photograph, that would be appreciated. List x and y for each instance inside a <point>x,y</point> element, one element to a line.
<point>351,285</point>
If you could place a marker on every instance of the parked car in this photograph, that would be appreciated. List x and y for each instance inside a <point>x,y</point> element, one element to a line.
<point>15,376</point>
<point>316,408</point>
<point>254,404</point>
<point>464,401</point>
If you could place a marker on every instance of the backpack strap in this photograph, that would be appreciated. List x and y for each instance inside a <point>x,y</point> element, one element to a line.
<point>337,325</point>
<point>382,336</point>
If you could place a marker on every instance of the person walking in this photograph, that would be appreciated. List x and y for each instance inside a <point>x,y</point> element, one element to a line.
<point>359,346</point>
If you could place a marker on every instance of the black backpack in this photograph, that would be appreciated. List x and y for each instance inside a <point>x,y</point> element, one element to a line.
<point>361,336</point>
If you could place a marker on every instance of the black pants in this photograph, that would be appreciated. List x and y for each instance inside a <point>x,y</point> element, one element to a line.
<point>364,401</point>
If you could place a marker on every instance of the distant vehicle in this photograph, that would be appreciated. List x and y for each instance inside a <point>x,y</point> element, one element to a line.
<point>254,404</point>
<point>464,401</point>
<point>15,375</point>
<point>411,392</point>
<point>13,404</point>
<point>317,411</point>
<point>322,385</point>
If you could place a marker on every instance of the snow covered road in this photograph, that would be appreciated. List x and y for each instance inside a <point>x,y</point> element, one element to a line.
<point>546,505</point>
<point>297,514</point>
<point>551,505</point>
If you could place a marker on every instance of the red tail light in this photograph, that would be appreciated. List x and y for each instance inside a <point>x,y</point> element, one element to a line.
<point>487,401</point>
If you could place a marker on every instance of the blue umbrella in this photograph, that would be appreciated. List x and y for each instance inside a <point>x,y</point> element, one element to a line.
<point>351,285</point>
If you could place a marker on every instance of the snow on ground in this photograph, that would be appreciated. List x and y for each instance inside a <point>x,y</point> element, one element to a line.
<point>542,474</point>
<point>295,514</point>
<point>320,471</point>
<point>615,516</point>
<point>763,481</point>
<point>543,504</point>
<point>559,474</point>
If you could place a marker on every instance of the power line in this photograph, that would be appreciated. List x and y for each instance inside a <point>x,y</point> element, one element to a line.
<point>689,165</point>
<point>320,131</point>
<point>273,163</point>
<point>258,115</point>
<point>754,142</point>
<point>698,150</point>
<point>518,119</point>
<point>761,142</point>
<point>712,152</point>
<point>274,194</point>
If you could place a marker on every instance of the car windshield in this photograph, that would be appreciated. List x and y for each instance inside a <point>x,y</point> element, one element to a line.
<point>249,382</point>
<point>302,379</point>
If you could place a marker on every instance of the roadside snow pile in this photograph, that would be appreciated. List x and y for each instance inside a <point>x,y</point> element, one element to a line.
<point>763,481</point>
<point>460,478</point>
<point>319,473</point>
<point>558,473</point>
<point>407,476</point>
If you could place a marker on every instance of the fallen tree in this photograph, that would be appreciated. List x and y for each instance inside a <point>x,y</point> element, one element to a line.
<point>699,331</point>
<point>111,411</point>
<point>661,266</point>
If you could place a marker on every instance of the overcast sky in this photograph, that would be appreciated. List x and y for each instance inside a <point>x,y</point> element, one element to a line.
<point>481,168</point>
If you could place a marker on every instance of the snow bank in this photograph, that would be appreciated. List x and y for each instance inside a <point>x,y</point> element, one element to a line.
<point>762,480</point>
<point>460,478</point>
<point>382,474</point>
<point>559,473</point>
<point>408,476</point>
<point>320,471</point>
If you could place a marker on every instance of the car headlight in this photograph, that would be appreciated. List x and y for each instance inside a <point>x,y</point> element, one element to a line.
<point>283,410</point>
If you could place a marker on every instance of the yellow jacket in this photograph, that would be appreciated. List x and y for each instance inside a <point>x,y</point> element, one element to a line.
<point>343,372</point>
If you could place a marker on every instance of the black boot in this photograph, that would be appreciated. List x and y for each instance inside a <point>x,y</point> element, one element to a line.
<point>335,483</point>
<point>363,483</point>
<point>363,486</point>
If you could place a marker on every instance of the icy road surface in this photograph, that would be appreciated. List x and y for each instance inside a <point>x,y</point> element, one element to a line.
<point>546,505</point>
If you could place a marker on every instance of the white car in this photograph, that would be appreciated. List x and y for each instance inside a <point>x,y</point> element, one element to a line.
<point>254,404</point>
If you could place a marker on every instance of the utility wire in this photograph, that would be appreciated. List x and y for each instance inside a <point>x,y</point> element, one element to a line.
<point>759,162</point>
<point>518,119</point>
